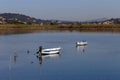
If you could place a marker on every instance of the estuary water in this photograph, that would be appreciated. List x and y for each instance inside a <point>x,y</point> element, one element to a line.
<point>99,60</point>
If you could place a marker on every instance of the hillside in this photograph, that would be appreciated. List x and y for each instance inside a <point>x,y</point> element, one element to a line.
<point>18,18</point>
<point>15,18</point>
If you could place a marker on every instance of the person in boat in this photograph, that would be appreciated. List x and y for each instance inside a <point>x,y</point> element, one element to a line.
<point>40,49</point>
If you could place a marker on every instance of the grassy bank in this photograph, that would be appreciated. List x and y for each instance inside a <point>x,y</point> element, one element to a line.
<point>18,28</point>
<point>93,27</point>
<point>24,28</point>
<point>60,26</point>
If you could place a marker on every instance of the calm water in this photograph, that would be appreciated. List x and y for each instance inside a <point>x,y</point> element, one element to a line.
<point>100,59</point>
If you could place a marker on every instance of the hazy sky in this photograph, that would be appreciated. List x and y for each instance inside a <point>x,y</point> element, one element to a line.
<point>77,10</point>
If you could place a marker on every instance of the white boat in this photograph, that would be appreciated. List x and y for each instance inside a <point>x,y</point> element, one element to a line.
<point>51,51</point>
<point>82,43</point>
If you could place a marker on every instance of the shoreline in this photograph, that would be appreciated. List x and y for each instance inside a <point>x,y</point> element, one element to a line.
<point>23,28</point>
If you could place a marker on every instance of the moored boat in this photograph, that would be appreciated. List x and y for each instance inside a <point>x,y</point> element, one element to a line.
<point>82,43</point>
<point>49,51</point>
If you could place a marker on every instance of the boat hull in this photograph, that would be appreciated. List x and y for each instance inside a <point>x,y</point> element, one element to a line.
<point>81,43</point>
<point>50,51</point>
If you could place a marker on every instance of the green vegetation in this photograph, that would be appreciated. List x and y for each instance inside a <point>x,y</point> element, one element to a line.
<point>92,27</point>
<point>61,27</point>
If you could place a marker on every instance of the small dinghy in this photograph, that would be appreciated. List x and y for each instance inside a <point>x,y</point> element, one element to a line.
<point>49,51</point>
<point>82,43</point>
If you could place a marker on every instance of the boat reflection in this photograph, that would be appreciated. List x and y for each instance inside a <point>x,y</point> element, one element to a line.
<point>15,56</point>
<point>81,48</point>
<point>42,57</point>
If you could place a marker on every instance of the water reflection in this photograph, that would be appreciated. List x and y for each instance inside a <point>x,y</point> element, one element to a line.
<point>28,51</point>
<point>81,48</point>
<point>42,57</point>
<point>15,56</point>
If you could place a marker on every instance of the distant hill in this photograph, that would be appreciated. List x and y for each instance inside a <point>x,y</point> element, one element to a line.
<point>19,18</point>
<point>105,21</point>
<point>98,20</point>
<point>16,18</point>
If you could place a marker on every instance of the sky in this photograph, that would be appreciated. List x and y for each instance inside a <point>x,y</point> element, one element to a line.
<point>72,10</point>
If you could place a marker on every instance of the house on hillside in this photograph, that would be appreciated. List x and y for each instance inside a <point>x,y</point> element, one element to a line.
<point>2,20</point>
<point>107,22</point>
